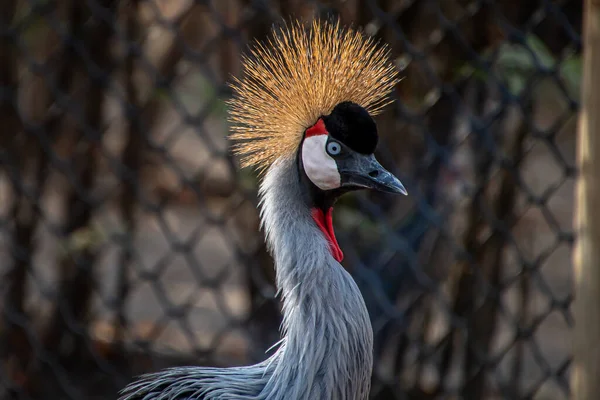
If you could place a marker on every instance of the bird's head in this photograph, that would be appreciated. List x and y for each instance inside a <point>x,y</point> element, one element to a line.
<point>336,154</point>
<point>309,95</point>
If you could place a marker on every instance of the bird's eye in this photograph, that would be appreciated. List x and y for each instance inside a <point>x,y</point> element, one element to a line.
<point>334,148</point>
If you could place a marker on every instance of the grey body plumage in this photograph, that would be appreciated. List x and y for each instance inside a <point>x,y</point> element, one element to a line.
<point>326,350</point>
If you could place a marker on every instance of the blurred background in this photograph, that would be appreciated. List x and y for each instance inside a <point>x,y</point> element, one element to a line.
<point>129,237</point>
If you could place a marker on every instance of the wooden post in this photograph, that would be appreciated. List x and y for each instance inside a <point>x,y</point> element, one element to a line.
<point>585,373</point>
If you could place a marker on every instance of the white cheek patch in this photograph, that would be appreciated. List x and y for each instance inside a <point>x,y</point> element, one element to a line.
<point>320,168</point>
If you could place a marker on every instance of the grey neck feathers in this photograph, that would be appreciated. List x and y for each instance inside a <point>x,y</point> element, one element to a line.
<point>326,352</point>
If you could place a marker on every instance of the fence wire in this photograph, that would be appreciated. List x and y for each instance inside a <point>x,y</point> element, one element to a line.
<point>130,238</point>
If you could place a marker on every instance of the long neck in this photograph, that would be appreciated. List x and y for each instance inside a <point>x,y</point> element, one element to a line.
<point>327,345</point>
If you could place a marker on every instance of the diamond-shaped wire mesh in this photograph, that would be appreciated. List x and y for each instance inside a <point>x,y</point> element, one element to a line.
<point>130,238</point>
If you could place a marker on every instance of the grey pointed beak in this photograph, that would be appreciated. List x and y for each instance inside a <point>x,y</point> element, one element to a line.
<point>364,171</point>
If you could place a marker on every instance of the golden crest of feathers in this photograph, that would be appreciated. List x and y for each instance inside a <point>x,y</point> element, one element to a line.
<point>298,76</point>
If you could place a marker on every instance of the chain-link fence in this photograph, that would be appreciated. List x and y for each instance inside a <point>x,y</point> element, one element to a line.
<point>130,238</point>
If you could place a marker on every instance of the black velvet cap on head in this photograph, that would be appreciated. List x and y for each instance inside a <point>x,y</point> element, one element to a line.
<point>352,125</point>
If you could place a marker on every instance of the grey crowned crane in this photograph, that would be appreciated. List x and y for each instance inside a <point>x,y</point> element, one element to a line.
<point>302,116</point>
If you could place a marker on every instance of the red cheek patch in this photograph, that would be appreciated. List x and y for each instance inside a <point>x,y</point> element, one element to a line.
<point>325,224</point>
<point>317,129</point>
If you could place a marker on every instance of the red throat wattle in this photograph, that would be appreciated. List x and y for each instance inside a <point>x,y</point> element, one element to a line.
<point>325,224</point>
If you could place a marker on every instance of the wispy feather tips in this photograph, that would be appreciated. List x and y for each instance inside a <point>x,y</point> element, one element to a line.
<point>297,76</point>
